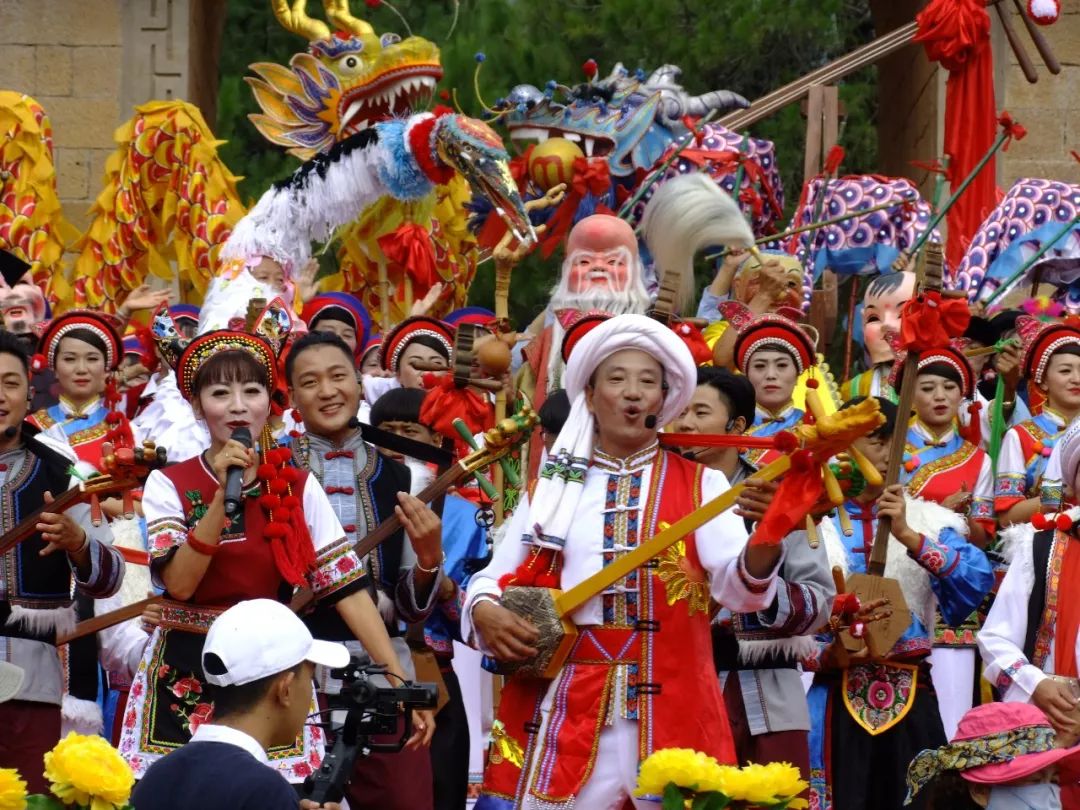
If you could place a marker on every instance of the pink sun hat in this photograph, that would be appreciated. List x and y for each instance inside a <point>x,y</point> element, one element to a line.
<point>996,719</point>
<point>994,744</point>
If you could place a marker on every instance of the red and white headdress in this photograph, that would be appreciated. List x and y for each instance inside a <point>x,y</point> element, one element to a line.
<point>1039,340</point>
<point>409,329</point>
<point>771,331</point>
<point>100,324</point>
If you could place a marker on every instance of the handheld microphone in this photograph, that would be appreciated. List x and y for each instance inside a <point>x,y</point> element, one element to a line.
<point>234,478</point>
<point>650,421</point>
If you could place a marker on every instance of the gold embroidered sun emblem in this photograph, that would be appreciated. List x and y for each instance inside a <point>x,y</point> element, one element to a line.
<point>682,578</point>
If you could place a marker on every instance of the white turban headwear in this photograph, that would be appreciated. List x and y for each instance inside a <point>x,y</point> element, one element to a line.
<point>562,478</point>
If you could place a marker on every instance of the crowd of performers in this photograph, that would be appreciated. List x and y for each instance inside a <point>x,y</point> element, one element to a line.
<point>719,645</point>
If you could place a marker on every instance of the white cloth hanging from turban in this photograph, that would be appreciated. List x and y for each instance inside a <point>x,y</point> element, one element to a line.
<point>558,489</point>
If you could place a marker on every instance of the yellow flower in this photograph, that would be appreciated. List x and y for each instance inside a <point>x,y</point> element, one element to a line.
<point>88,771</point>
<point>786,780</point>
<point>684,767</point>
<point>12,790</point>
<point>765,784</point>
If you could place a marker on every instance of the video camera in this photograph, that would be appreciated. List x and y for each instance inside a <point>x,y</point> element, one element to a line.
<point>371,710</point>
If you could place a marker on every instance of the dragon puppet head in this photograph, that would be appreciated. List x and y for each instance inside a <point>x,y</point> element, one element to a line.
<point>348,79</point>
<point>629,118</point>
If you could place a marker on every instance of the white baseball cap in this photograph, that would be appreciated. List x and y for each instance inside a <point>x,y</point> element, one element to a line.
<point>259,638</point>
<point>11,680</point>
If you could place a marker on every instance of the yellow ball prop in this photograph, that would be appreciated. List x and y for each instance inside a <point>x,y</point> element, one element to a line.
<point>552,162</point>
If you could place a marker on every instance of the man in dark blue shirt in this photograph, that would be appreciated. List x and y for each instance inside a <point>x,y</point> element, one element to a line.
<point>261,658</point>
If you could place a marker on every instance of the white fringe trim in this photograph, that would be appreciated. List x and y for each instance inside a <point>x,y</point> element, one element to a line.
<point>41,621</point>
<point>284,222</point>
<point>81,716</point>
<point>796,647</point>
<point>1017,539</point>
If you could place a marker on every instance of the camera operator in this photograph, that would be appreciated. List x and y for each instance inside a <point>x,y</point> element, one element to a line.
<point>260,659</point>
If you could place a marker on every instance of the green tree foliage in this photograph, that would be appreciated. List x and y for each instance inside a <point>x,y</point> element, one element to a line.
<point>752,47</point>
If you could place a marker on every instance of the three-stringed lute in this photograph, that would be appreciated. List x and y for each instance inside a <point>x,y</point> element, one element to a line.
<point>874,585</point>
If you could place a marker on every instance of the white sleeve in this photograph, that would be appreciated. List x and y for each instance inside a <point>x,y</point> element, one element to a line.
<point>121,646</point>
<point>1010,459</point>
<point>720,546</point>
<point>166,524</point>
<point>1001,638</point>
<point>322,520</point>
<point>508,555</point>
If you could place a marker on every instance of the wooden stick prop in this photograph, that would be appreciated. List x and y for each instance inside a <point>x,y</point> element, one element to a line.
<point>1026,65</point>
<point>88,627</point>
<point>1041,45</point>
<point>829,73</point>
<point>873,584</point>
<point>506,259</point>
<point>549,608</point>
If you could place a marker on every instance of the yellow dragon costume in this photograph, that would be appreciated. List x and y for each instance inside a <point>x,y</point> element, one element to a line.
<point>343,107</point>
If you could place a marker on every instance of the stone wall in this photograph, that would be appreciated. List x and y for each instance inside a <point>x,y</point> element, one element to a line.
<point>89,63</point>
<point>68,56</point>
<point>1049,109</point>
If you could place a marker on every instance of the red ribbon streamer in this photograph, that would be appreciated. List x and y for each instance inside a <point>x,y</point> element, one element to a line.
<point>591,176</point>
<point>445,402</point>
<point>1011,128</point>
<point>928,321</point>
<point>801,488</point>
<point>410,247</point>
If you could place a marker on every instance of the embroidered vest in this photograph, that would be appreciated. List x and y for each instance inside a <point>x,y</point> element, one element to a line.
<point>33,581</point>
<point>1036,639</point>
<point>387,479</point>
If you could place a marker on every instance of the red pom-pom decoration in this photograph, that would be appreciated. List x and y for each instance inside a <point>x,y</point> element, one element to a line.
<point>290,474</point>
<point>1040,521</point>
<point>266,471</point>
<point>278,456</point>
<point>281,515</point>
<point>269,501</point>
<point>291,502</point>
<point>278,486</point>
<point>785,441</point>
<point>113,418</point>
<point>812,382</point>
<point>273,530</point>
<point>590,68</point>
<point>1063,522</point>
<point>38,363</point>
<point>297,416</point>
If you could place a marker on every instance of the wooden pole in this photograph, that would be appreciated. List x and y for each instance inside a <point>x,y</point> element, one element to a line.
<point>930,279</point>
<point>502,313</point>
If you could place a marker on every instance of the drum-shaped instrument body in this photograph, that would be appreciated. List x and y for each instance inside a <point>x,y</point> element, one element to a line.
<point>883,633</point>
<point>557,634</point>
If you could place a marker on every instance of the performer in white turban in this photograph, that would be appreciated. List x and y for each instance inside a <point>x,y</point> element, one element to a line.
<point>640,677</point>
<point>1029,639</point>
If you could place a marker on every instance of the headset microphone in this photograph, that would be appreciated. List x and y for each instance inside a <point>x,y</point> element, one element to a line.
<point>650,421</point>
<point>11,432</point>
